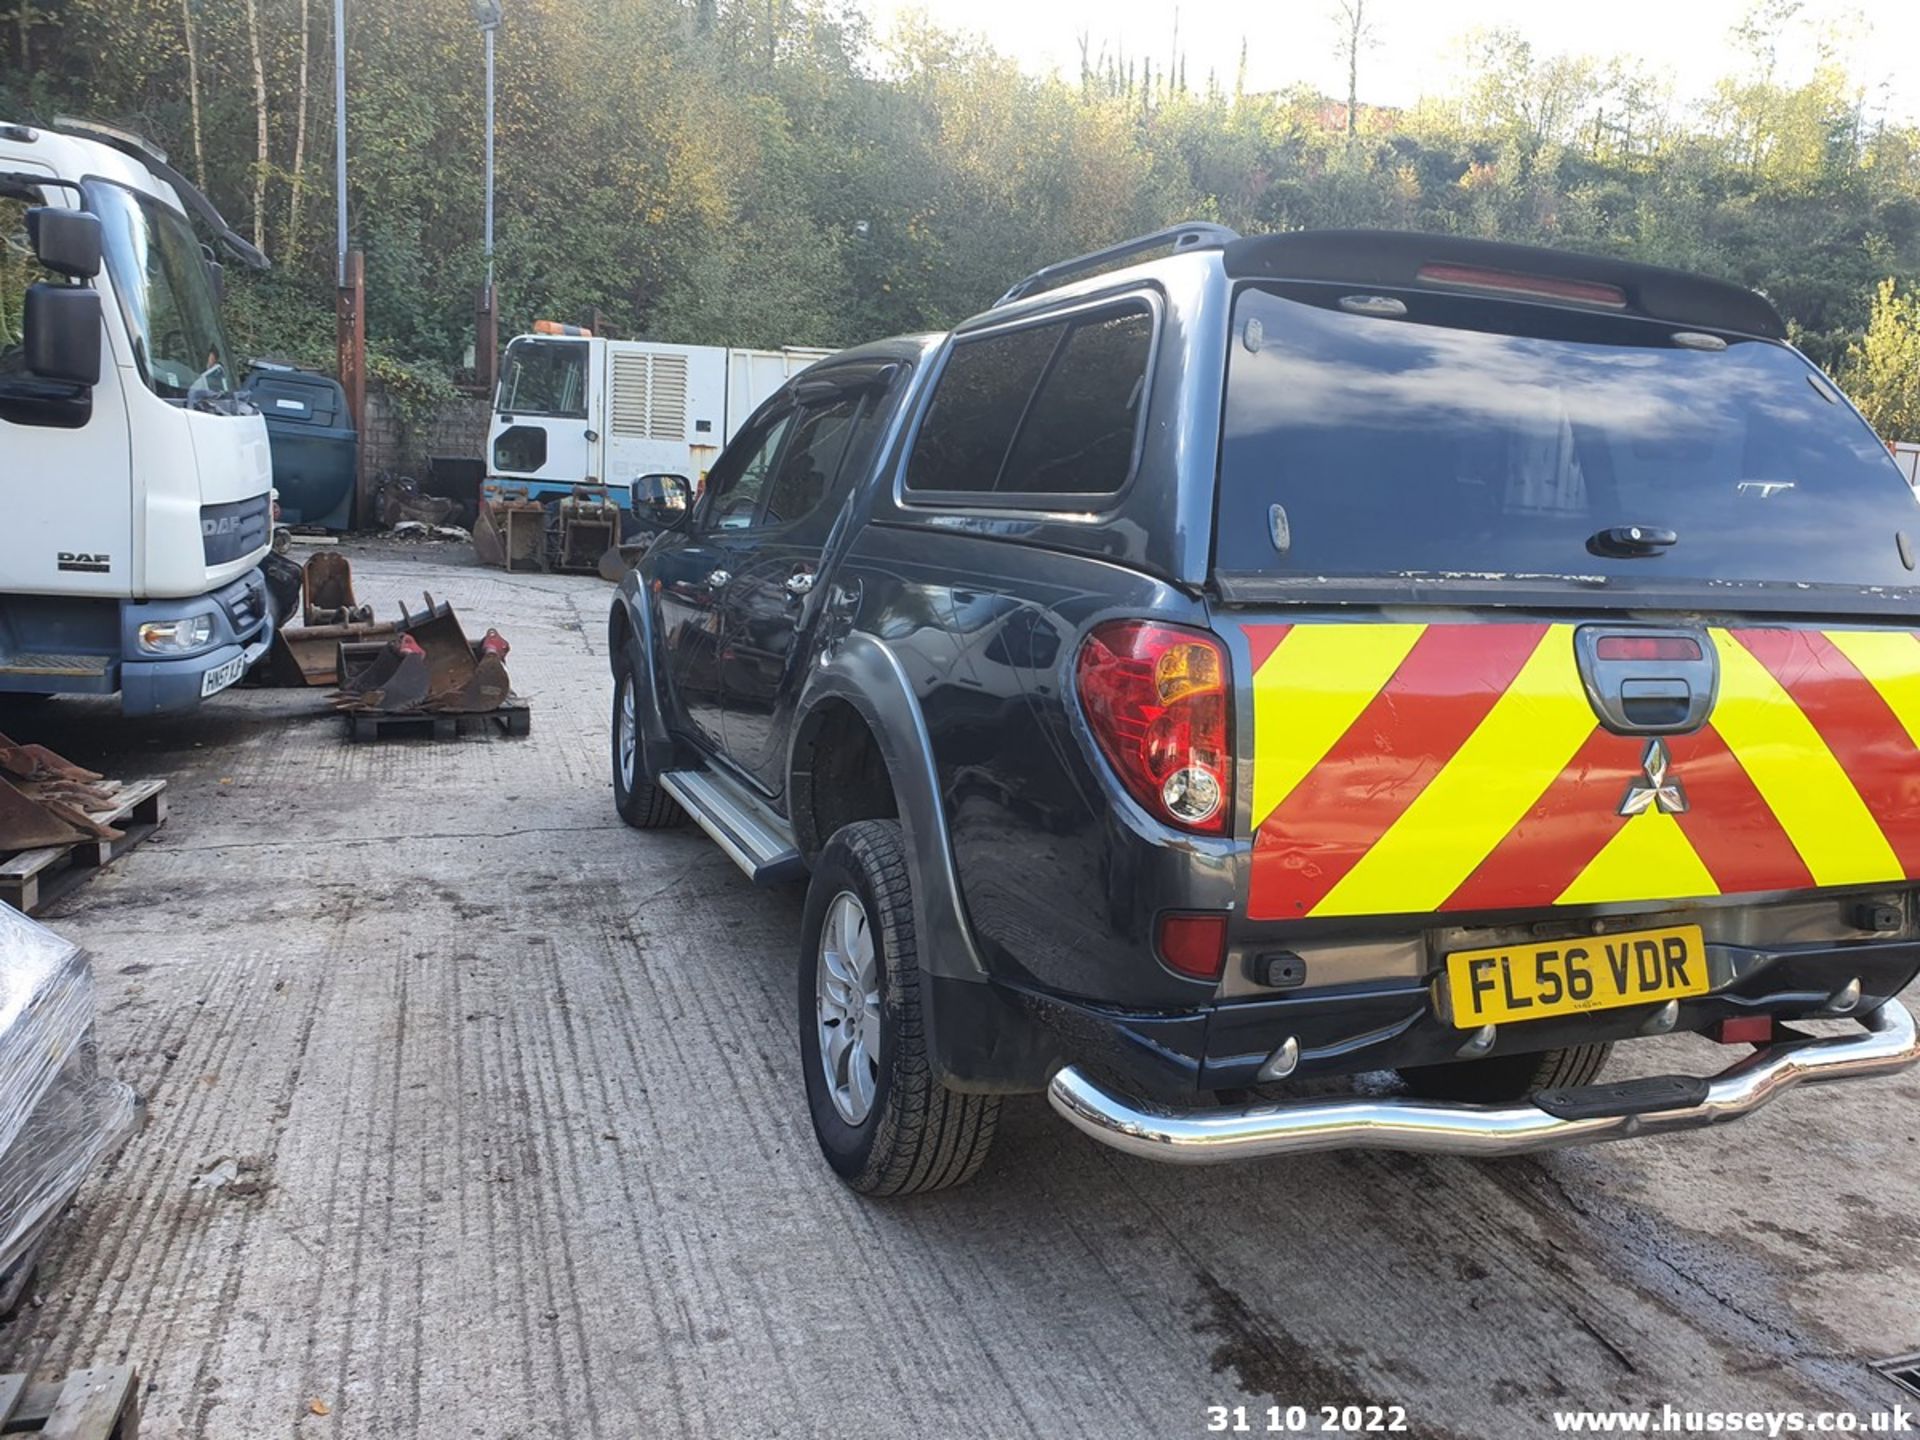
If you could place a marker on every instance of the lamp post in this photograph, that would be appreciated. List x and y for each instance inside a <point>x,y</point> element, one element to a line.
<point>487,14</point>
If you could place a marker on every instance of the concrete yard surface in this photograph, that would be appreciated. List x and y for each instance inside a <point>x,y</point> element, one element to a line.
<point>475,1113</point>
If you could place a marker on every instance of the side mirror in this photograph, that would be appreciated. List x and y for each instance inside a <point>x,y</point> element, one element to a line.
<point>665,499</point>
<point>67,242</point>
<point>61,333</point>
<point>217,281</point>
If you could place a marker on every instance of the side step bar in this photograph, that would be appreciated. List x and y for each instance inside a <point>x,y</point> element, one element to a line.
<point>754,838</point>
<point>1888,1045</point>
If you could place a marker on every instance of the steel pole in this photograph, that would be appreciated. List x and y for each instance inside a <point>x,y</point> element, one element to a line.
<point>340,141</point>
<point>489,236</point>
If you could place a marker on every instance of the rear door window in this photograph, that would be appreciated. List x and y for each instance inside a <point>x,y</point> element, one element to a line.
<point>1046,410</point>
<point>1492,441</point>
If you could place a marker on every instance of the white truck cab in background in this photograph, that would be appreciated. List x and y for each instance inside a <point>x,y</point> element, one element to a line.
<point>1907,457</point>
<point>574,408</point>
<point>135,483</point>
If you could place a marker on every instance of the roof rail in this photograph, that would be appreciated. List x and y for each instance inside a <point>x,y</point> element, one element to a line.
<point>1189,235</point>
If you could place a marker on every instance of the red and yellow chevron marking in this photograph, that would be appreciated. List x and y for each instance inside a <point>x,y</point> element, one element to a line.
<point>1418,768</point>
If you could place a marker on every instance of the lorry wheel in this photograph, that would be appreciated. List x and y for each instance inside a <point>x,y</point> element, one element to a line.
<point>641,803</point>
<point>1504,1078</point>
<point>885,1122</point>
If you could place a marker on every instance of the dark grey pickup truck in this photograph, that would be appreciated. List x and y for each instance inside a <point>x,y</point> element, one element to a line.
<point>1231,662</point>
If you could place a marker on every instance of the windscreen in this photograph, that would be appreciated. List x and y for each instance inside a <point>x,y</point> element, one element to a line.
<point>160,275</point>
<point>1491,439</point>
<point>544,377</point>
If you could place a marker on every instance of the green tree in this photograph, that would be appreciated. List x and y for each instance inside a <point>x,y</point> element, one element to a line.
<point>1882,370</point>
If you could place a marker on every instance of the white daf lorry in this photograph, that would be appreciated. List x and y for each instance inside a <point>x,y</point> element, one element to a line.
<point>576,408</point>
<point>135,483</point>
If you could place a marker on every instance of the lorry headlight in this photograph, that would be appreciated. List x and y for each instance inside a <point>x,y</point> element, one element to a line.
<point>176,637</point>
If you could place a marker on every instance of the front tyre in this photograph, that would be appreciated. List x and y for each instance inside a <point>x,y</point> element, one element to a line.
<point>885,1122</point>
<point>641,803</point>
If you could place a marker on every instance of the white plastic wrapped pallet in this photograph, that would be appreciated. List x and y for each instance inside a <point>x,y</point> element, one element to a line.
<point>58,1115</point>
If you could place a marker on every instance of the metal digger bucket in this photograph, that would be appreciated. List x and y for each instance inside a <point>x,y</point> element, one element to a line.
<point>450,658</point>
<point>329,588</point>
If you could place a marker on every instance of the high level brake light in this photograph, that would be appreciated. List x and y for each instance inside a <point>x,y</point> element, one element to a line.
<point>1156,698</point>
<point>1533,287</point>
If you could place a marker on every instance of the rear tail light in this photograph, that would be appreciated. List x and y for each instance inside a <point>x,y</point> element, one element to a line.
<point>1194,945</point>
<point>1646,647</point>
<point>1156,698</point>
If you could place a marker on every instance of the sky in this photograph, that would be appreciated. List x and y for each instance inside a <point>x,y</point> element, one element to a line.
<point>1416,44</point>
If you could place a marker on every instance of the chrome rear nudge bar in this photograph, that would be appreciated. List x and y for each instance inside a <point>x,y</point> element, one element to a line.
<point>1887,1045</point>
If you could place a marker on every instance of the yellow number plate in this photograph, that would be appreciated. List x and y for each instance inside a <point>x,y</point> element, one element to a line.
<point>1535,981</point>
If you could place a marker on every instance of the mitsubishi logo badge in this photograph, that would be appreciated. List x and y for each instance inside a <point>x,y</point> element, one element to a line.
<point>1659,789</point>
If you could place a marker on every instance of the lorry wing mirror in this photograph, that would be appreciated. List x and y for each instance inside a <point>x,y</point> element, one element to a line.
<point>61,333</point>
<point>67,242</point>
<point>665,498</point>
<point>217,280</point>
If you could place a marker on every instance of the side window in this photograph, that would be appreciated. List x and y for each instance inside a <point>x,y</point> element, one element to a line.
<point>812,460</point>
<point>18,270</point>
<point>1049,410</point>
<point>977,406</point>
<point>736,483</point>
<point>1078,435</point>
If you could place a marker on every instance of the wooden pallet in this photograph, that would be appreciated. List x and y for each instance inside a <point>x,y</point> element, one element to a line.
<point>102,1403</point>
<point>31,880</point>
<point>513,718</point>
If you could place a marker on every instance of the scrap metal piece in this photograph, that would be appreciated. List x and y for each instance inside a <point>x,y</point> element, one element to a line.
<point>486,689</point>
<point>37,762</point>
<point>25,824</point>
<point>329,590</point>
<point>73,809</point>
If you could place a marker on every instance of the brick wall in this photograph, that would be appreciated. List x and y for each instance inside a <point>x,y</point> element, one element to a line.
<point>391,444</point>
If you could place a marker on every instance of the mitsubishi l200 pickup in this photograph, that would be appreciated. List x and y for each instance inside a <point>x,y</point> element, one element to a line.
<point>1231,662</point>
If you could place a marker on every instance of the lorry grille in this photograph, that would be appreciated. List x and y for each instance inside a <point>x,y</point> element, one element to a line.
<point>234,529</point>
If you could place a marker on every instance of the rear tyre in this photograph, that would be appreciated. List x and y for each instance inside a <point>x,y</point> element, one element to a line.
<point>885,1122</point>
<point>1501,1079</point>
<point>641,803</point>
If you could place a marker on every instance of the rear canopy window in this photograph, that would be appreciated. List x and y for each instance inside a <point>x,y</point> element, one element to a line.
<point>1491,439</point>
<point>1046,410</point>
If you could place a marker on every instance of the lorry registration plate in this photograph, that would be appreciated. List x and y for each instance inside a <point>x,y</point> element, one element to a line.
<point>1536,981</point>
<point>222,676</point>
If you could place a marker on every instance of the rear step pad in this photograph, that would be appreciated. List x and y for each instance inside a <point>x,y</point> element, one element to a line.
<point>1623,1097</point>
<point>755,838</point>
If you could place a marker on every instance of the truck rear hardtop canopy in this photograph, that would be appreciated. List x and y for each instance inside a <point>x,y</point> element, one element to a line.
<point>1409,260</point>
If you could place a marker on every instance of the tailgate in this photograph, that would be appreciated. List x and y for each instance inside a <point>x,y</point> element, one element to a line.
<point>1409,768</point>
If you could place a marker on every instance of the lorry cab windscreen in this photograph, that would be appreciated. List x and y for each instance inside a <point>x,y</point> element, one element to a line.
<point>1492,438</point>
<point>544,377</point>
<point>160,276</point>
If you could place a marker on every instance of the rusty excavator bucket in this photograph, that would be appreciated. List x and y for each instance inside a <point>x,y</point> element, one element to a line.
<point>45,799</point>
<point>450,657</point>
<point>398,680</point>
<point>309,655</point>
<point>486,689</point>
<point>329,591</point>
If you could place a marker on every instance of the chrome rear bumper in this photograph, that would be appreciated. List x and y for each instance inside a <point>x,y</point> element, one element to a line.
<point>1887,1045</point>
